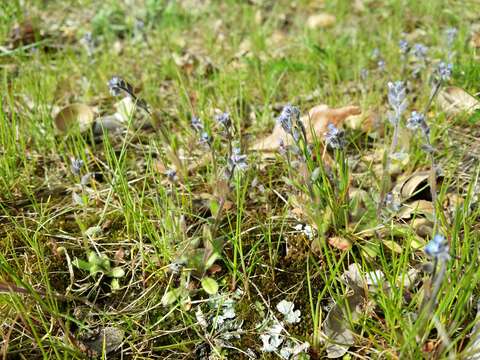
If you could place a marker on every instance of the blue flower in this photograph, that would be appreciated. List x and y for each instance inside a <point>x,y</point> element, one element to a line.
<point>237,161</point>
<point>288,117</point>
<point>115,85</point>
<point>438,248</point>
<point>403,45</point>
<point>76,166</point>
<point>381,65</point>
<point>197,124</point>
<point>205,138</point>
<point>415,121</point>
<point>172,175</point>
<point>334,137</point>
<point>444,71</point>
<point>420,51</point>
<point>224,120</point>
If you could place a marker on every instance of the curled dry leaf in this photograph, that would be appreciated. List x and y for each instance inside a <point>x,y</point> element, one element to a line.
<point>316,123</point>
<point>454,100</point>
<point>74,116</point>
<point>414,187</point>
<point>338,330</point>
<point>321,21</point>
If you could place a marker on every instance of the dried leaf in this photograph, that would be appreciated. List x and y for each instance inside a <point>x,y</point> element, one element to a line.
<point>317,121</point>
<point>340,243</point>
<point>74,116</point>
<point>338,330</point>
<point>108,124</point>
<point>125,109</point>
<point>422,207</point>
<point>337,325</point>
<point>475,40</point>
<point>454,100</point>
<point>369,123</point>
<point>414,186</point>
<point>320,21</point>
<point>24,33</point>
<point>108,340</point>
<point>422,227</point>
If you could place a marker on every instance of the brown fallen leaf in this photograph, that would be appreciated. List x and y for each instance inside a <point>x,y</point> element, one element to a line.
<point>422,227</point>
<point>79,116</point>
<point>369,123</point>
<point>316,122</point>
<point>321,21</point>
<point>417,207</point>
<point>109,339</point>
<point>24,33</point>
<point>340,243</point>
<point>337,329</point>
<point>454,100</point>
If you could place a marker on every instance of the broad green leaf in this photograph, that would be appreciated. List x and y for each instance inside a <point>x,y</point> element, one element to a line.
<point>116,272</point>
<point>93,258</point>
<point>209,285</point>
<point>81,264</point>
<point>105,262</point>
<point>214,207</point>
<point>94,269</point>
<point>211,260</point>
<point>392,245</point>
<point>170,297</point>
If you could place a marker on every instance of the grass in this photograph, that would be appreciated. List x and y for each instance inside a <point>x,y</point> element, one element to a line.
<point>248,58</point>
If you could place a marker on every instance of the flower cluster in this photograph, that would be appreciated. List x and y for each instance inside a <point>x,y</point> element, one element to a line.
<point>397,98</point>
<point>444,71</point>
<point>198,126</point>
<point>117,85</point>
<point>334,137</point>
<point>438,248</point>
<point>289,120</point>
<point>171,175</point>
<point>76,166</point>
<point>224,120</point>
<point>236,161</point>
<point>404,47</point>
<point>420,51</point>
<point>417,121</point>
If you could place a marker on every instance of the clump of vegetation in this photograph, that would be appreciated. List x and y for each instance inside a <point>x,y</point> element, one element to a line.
<point>189,179</point>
